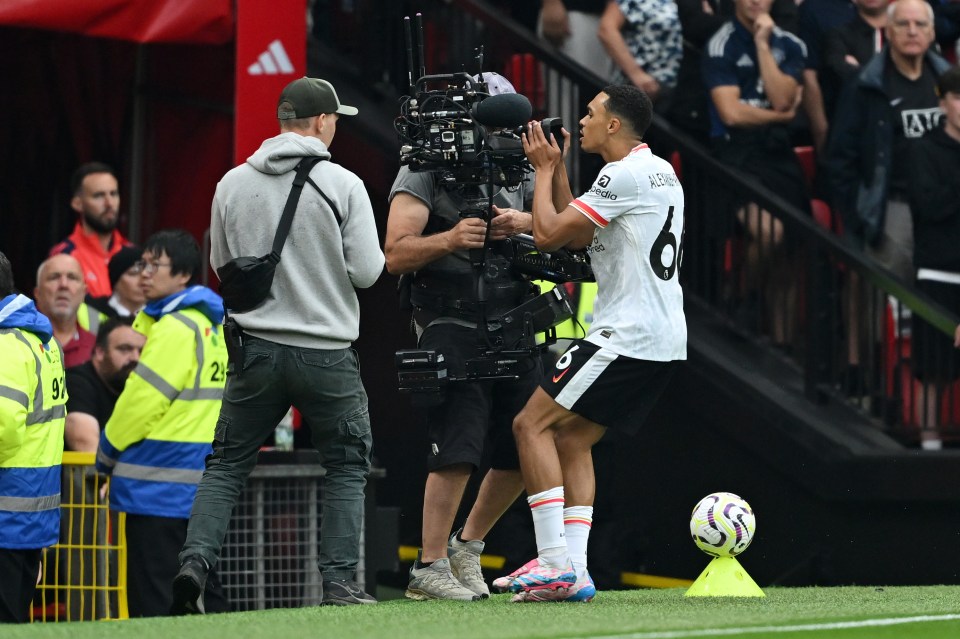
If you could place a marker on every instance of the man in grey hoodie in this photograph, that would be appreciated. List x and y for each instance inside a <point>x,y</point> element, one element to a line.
<point>297,344</point>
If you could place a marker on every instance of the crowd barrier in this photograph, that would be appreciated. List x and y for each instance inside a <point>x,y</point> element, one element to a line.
<point>269,557</point>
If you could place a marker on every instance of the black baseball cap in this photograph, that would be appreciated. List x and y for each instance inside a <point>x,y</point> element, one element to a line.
<point>949,82</point>
<point>307,97</point>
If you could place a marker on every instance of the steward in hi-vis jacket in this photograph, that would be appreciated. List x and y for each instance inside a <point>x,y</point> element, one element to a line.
<point>155,444</point>
<point>161,430</point>
<point>32,410</point>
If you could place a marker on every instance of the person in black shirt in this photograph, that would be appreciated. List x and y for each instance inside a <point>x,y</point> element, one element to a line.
<point>934,195</point>
<point>892,100</point>
<point>848,48</point>
<point>94,386</point>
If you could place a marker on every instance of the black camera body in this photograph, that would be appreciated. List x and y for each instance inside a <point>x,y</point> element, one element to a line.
<point>463,134</point>
<point>551,127</point>
<point>503,354</point>
<point>451,126</point>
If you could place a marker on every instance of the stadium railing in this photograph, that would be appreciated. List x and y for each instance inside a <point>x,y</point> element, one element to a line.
<point>839,318</point>
<point>269,557</point>
<point>83,578</point>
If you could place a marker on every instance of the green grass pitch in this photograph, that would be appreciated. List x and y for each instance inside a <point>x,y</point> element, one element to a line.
<point>930,612</point>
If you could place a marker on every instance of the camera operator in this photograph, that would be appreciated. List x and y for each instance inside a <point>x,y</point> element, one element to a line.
<point>632,221</point>
<point>431,234</point>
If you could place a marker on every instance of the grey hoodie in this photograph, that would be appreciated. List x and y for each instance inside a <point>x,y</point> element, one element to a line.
<point>312,303</point>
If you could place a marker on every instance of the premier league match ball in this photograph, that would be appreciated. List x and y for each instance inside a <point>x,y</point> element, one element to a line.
<point>722,525</point>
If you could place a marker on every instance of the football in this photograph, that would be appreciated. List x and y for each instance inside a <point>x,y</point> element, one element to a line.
<point>722,525</point>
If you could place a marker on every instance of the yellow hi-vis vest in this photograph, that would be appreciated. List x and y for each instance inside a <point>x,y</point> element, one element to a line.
<point>89,318</point>
<point>582,312</point>
<point>33,401</point>
<point>156,442</point>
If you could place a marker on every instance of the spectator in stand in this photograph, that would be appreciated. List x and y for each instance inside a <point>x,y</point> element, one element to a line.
<point>32,398</point>
<point>817,17</point>
<point>947,26</point>
<point>891,101</point>
<point>699,20</point>
<point>753,71</point>
<point>94,386</point>
<point>643,38</point>
<point>95,238</point>
<point>933,168</point>
<point>848,48</point>
<point>156,441</point>
<point>127,298</point>
<point>571,26</point>
<point>59,293</point>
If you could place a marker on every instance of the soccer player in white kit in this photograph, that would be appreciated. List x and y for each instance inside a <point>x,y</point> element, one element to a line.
<point>631,222</point>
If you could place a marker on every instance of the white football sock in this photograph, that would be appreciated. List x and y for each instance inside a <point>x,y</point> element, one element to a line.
<point>577,521</point>
<point>547,511</point>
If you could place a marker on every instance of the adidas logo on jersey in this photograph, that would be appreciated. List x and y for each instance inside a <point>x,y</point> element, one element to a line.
<point>273,61</point>
<point>744,61</point>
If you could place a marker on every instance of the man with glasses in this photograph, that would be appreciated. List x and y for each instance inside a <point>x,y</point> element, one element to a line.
<point>889,103</point>
<point>155,442</point>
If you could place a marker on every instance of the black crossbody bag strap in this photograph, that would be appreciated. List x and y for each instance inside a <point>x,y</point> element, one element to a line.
<point>333,207</point>
<point>286,219</point>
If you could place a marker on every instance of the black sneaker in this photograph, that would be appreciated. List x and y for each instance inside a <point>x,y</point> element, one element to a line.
<point>188,587</point>
<point>344,592</point>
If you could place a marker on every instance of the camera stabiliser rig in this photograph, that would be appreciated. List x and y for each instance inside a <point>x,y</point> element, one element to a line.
<point>451,126</point>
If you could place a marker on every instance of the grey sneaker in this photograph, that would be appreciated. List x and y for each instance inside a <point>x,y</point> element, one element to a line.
<point>436,582</point>
<point>344,592</point>
<point>465,564</point>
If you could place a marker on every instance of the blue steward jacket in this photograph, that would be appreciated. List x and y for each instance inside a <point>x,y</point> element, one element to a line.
<point>161,431</point>
<point>33,401</point>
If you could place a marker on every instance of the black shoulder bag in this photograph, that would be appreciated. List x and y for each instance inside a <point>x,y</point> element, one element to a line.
<point>245,281</point>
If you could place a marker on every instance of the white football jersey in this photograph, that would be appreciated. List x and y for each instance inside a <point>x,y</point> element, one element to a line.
<point>637,203</point>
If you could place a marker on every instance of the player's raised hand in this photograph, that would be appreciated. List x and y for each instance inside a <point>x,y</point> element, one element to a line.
<point>543,154</point>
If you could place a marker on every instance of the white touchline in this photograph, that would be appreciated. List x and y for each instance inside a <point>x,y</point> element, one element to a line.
<point>722,632</point>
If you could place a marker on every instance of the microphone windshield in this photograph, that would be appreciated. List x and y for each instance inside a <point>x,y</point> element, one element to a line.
<point>504,111</point>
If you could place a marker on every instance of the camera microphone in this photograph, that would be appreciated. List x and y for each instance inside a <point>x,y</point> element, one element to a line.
<point>504,111</point>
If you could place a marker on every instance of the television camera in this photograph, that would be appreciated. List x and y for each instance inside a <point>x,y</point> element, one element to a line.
<point>453,126</point>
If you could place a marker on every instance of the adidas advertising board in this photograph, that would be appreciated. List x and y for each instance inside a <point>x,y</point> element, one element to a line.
<point>271,52</point>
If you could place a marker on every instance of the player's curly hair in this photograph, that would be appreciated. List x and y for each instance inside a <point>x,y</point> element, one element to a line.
<point>631,105</point>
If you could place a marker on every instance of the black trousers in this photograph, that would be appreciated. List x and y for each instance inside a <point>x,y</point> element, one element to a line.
<point>153,546</point>
<point>18,583</point>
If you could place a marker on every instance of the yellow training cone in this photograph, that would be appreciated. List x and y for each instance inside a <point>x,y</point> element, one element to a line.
<point>724,577</point>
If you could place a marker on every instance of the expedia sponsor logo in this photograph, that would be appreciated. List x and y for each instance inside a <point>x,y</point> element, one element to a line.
<point>604,193</point>
<point>600,188</point>
<point>663,179</point>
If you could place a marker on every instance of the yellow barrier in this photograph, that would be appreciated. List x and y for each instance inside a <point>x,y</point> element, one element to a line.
<point>83,578</point>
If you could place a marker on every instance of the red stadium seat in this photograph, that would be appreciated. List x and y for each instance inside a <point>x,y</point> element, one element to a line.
<point>822,214</point>
<point>808,162</point>
<point>523,71</point>
<point>677,163</point>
